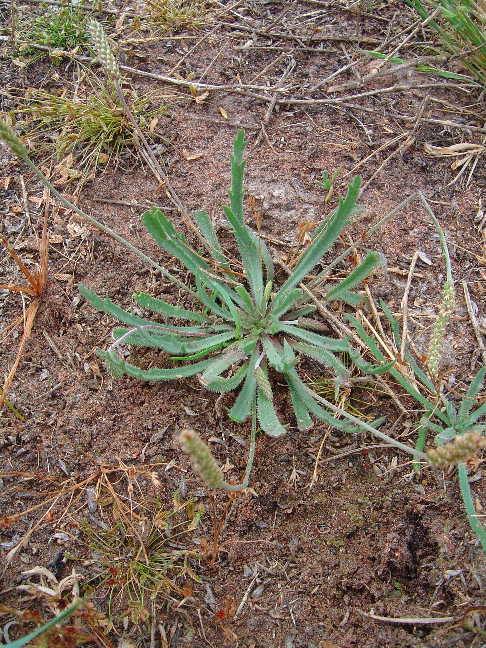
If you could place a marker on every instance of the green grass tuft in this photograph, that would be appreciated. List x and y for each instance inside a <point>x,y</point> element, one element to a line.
<point>461,27</point>
<point>64,28</point>
<point>93,126</point>
<point>173,15</point>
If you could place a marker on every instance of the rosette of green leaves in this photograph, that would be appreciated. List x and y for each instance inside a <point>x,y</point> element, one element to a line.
<point>242,331</point>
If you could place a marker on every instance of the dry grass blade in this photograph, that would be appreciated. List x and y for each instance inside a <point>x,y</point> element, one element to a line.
<point>36,284</point>
<point>465,148</point>
<point>465,154</point>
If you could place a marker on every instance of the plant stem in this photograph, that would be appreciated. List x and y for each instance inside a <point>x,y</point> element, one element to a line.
<point>251,456</point>
<point>443,242</point>
<point>381,435</point>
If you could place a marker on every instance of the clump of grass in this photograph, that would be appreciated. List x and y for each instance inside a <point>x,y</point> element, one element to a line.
<point>94,126</point>
<point>343,395</point>
<point>143,557</point>
<point>461,27</point>
<point>173,15</point>
<point>61,28</point>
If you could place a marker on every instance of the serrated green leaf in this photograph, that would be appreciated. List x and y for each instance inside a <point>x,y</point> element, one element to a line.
<point>367,367</point>
<point>467,498</point>
<point>406,384</point>
<point>301,412</point>
<point>209,233</point>
<point>113,362</point>
<point>291,299</point>
<point>210,301</point>
<point>224,385</point>
<point>246,297</point>
<point>227,295</point>
<point>184,371</point>
<point>266,258</point>
<point>471,394</point>
<point>419,372</point>
<point>288,355</point>
<point>177,345</point>
<point>170,343</point>
<point>267,417</point>
<point>395,326</point>
<point>221,364</point>
<point>341,291</point>
<point>250,250</point>
<point>300,312</point>
<point>160,306</point>
<point>313,407</point>
<point>105,305</point>
<point>322,242</point>
<point>472,418</point>
<point>274,355</point>
<point>316,339</point>
<point>263,383</point>
<point>165,235</point>
<point>245,401</point>
<point>323,356</point>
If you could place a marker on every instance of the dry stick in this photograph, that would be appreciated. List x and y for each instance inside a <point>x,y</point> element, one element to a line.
<point>194,47</point>
<point>271,105</point>
<point>245,597</point>
<point>158,77</point>
<point>408,620</point>
<point>359,13</point>
<point>269,66</point>
<point>26,200</point>
<point>125,203</point>
<point>474,321</point>
<point>403,147</point>
<point>368,428</point>
<point>212,62</point>
<point>398,68</point>
<point>420,113</point>
<point>23,541</point>
<point>370,93</point>
<point>302,38</point>
<point>354,451</point>
<point>151,159</point>
<point>374,310</point>
<point>375,152</point>
<point>280,48</point>
<point>315,477</point>
<point>404,305</point>
<point>333,75</point>
<point>247,90</point>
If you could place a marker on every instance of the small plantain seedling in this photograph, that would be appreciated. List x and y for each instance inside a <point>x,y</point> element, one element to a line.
<point>241,331</point>
<point>459,433</point>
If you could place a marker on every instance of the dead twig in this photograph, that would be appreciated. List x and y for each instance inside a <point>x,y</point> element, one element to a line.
<point>302,37</point>
<point>404,306</point>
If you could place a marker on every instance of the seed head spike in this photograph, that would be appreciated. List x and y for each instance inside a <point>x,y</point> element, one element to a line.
<point>202,460</point>
<point>103,49</point>
<point>13,142</point>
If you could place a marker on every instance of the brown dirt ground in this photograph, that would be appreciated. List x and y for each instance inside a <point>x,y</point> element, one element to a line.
<point>306,562</point>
